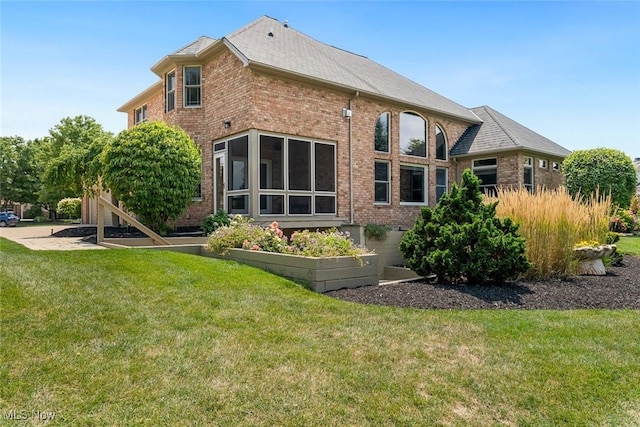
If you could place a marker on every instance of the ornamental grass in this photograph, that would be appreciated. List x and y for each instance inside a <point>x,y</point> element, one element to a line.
<point>553,222</point>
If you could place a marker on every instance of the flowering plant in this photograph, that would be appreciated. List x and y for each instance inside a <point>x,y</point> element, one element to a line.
<point>242,233</point>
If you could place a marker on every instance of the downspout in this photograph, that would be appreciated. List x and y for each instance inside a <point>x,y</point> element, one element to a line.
<point>351,200</point>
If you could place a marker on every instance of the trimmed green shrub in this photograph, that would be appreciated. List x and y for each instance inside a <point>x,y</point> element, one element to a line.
<point>601,171</point>
<point>212,222</point>
<point>154,170</point>
<point>70,206</point>
<point>461,240</point>
<point>376,231</point>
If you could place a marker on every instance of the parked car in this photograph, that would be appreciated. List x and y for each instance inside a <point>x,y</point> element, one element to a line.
<point>8,219</point>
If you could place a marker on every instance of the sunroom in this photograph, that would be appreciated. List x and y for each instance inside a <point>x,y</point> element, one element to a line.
<point>271,176</point>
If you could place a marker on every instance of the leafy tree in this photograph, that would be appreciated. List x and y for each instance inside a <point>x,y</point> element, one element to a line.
<point>461,240</point>
<point>153,169</point>
<point>73,152</point>
<point>19,171</point>
<point>603,170</point>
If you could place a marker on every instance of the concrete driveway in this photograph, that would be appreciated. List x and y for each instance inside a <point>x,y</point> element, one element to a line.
<point>40,238</point>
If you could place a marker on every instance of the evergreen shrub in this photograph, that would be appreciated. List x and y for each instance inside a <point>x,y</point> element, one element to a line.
<point>462,241</point>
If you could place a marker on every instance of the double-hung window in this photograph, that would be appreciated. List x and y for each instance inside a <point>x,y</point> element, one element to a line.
<point>192,86</point>
<point>442,182</point>
<point>382,182</point>
<point>528,174</point>
<point>170,90</point>
<point>140,114</point>
<point>487,171</point>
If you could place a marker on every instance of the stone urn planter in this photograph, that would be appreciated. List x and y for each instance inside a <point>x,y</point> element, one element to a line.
<point>590,259</point>
<point>318,274</point>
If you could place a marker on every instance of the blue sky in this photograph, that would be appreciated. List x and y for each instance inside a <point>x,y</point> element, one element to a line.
<point>568,70</point>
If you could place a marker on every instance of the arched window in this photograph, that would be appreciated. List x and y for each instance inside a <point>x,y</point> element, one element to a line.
<point>381,136</point>
<point>441,144</point>
<point>413,135</point>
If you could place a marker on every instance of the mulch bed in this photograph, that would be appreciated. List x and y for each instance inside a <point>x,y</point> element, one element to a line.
<point>88,233</point>
<point>619,289</point>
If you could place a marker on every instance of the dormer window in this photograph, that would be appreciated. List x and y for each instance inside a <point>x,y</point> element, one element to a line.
<point>170,88</point>
<point>192,86</point>
<point>140,114</point>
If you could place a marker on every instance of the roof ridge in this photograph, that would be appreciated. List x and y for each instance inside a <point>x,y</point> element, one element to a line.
<point>490,111</point>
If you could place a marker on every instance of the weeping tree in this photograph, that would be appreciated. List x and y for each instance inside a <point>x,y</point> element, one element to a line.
<point>154,170</point>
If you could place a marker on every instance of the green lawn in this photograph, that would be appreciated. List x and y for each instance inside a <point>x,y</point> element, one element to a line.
<point>629,245</point>
<point>135,337</point>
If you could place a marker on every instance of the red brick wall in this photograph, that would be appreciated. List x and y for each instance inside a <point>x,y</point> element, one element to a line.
<point>267,102</point>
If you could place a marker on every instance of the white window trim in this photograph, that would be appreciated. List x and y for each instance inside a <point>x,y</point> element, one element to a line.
<point>144,110</point>
<point>528,164</point>
<point>388,182</point>
<point>185,86</point>
<point>426,135</point>
<point>556,166</point>
<point>425,184</point>
<point>446,144</point>
<point>167,92</point>
<point>388,134</point>
<point>446,181</point>
<point>543,163</point>
<point>475,168</point>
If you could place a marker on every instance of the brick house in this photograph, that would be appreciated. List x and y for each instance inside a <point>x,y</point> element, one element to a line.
<point>310,135</point>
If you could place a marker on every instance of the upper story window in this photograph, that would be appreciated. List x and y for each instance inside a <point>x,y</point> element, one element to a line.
<point>413,135</point>
<point>487,171</point>
<point>382,133</point>
<point>192,86</point>
<point>140,114</point>
<point>441,144</point>
<point>543,164</point>
<point>555,166</point>
<point>170,91</point>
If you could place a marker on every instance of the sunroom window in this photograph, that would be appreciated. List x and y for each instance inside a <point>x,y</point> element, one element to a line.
<point>413,135</point>
<point>238,176</point>
<point>309,168</point>
<point>381,135</point>
<point>192,86</point>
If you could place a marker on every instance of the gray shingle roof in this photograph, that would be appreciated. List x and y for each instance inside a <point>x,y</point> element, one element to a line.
<point>195,46</point>
<point>500,133</point>
<point>294,52</point>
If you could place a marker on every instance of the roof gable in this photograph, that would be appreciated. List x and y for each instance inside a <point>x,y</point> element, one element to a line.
<point>269,43</point>
<point>500,133</point>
